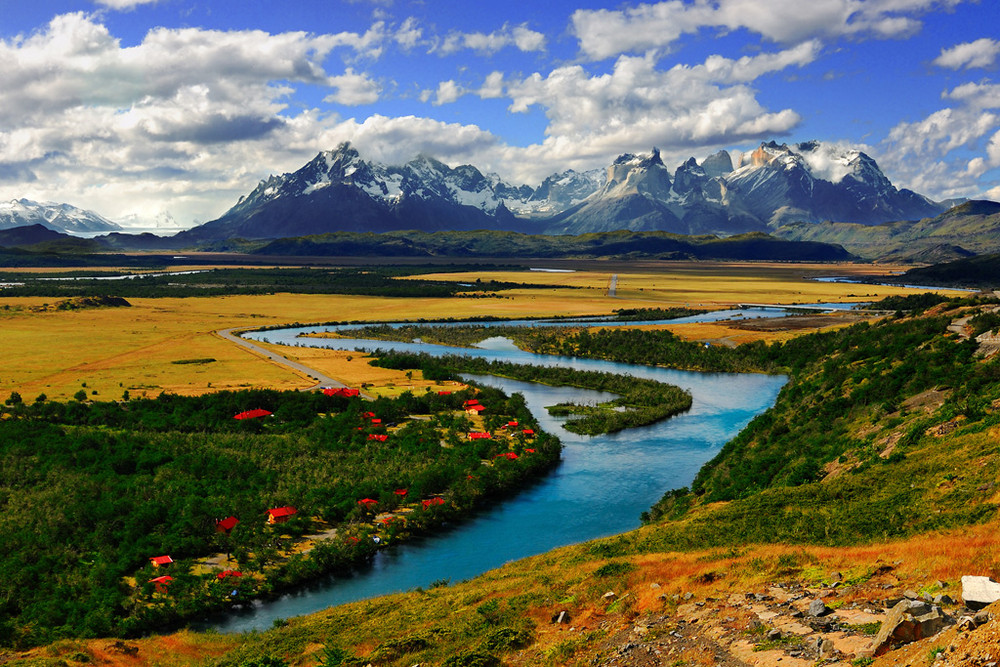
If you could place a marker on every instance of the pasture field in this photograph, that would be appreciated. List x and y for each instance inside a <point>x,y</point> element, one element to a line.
<point>168,344</point>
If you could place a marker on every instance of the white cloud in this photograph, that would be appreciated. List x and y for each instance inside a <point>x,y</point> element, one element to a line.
<point>447,92</point>
<point>980,53</point>
<point>124,4</point>
<point>520,36</point>
<point>945,153</point>
<point>179,121</point>
<point>353,89</point>
<point>637,105</point>
<point>397,140</point>
<point>409,34</point>
<point>493,86</point>
<point>604,33</point>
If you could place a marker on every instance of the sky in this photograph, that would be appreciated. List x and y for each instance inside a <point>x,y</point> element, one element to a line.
<point>167,111</point>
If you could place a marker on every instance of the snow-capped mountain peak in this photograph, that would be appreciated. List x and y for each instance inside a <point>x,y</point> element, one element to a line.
<point>57,217</point>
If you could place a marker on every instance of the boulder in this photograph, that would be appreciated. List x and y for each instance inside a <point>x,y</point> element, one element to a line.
<point>907,622</point>
<point>979,592</point>
<point>818,608</point>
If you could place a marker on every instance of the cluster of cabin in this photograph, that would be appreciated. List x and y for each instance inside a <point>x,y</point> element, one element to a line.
<point>276,515</point>
<point>279,515</point>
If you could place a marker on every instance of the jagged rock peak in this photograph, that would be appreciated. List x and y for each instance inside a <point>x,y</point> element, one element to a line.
<point>718,164</point>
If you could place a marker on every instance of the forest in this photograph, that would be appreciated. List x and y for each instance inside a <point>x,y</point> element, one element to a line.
<point>92,491</point>
<point>369,281</point>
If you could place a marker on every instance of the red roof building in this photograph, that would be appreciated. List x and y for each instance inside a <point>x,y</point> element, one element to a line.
<point>471,401</point>
<point>346,392</point>
<point>229,573</point>
<point>400,492</point>
<point>430,502</point>
<point>226,525</point>
<point>280,514</point>
<point>479,435</point>
<point>158,561</point>
<point>528,432</point>
<point>161,583</point>
<point>368,503</point>
<point>475,409</point>
<point>253,414</point>
<point>376,436</point>
<point>444,393</point>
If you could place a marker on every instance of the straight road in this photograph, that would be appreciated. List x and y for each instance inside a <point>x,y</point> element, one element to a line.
<point>322,380</point>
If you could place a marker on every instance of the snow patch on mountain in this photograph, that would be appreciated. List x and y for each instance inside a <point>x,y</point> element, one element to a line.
<point>57,217</point>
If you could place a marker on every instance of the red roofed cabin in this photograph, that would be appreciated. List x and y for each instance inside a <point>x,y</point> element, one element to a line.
<point>280,514</point>
<point>229,573</point>
<point>346,392</point>
<point>475,409</point>
<point>478,435</point>
<point>161,583</point>
<point>226,525</point>
<point>158,561</point>
<point>253,414</point>
<point>368,503</point>
<point>430,502</point>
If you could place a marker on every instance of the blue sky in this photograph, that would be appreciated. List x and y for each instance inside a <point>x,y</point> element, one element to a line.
<point>147,109</point>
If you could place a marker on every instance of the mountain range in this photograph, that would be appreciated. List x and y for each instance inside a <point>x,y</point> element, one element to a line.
<point>57,217</point>
<point>773,185</point>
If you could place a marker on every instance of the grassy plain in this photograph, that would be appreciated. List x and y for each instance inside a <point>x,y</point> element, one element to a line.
<point>111,350</point>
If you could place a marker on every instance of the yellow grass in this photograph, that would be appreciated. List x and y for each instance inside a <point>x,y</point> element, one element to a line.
<point>118,349</point>
<point>707,284</point>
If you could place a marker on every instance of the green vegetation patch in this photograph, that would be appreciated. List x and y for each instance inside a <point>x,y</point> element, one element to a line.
<point>641,401</point>
<point>92,491</point>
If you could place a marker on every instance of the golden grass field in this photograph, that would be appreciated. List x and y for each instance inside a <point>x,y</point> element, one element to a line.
<point>110,350</point>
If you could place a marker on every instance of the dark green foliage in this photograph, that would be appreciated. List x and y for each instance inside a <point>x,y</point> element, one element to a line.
<point>978,271</point>
<point>91,491</point>
<point>641,314</point>
<point>378,281</point>
<point>983,322</point>
<point>614,569</point>
<point>909,302</point>
<point>472,658</point>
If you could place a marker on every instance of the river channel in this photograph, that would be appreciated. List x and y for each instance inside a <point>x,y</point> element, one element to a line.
<point>600,487</point>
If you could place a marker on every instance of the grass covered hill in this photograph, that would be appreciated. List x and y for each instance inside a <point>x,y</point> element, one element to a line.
<point>982,271</point>
<point>619,244</point>
<point>969,228</point>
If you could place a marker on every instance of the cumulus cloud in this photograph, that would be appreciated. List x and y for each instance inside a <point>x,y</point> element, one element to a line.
<point>980,53</point>
<point>353,89</point>
<point>605,33</point>
<point>945,153</point>
<point>638,105</point>
<point>183,117</point>
<point>397,140</point>
<point>520,37</point>
<point>447,92</point>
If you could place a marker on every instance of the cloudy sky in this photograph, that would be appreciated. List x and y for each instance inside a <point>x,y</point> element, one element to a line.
<point>142,108</point>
